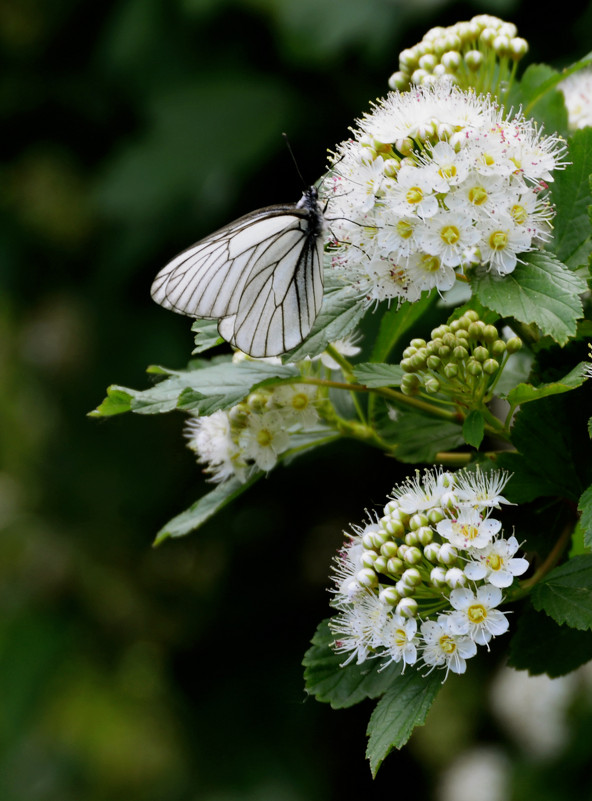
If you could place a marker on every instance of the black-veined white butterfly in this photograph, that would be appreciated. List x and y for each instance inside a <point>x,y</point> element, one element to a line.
<point>261,276</point>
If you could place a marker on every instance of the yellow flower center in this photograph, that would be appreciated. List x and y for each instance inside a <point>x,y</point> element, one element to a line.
<point>448,172</point>
<point>400,637</point>
<point>431,264</point>
<point>264,438</point>
<point>519,214</point>
<point>414,195</point>
<point>495,562</point>
<point>468,530</point>
<point>477,613</point>
<point>404,229</point>
<point>447,644</point>
<point>450,234</point>
<point>477,195</point>
<point>488,160</point>
<point>498,240</point>
<point>300,401</point>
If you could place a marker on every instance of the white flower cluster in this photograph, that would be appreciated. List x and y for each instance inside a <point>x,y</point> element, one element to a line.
<point>252,434</point>
<point>435,180</point>
<point>577,90</point>
<point>421,584</point>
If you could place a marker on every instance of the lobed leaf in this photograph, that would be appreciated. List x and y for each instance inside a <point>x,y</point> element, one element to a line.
<point>566,593</point>
<point>542,290</point>
<point>523,393</point>
<point>339,686</point>
<point>474,428</point>
<point>378,375</point>
<point>402,708</point>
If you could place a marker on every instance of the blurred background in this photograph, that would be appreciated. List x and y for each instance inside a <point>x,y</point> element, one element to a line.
<point>130,129</point>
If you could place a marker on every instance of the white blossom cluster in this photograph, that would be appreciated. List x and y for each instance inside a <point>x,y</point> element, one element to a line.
<point>422,583</point>
<point>253,434</point>
<point>577,91</point>
<point>433,181</point>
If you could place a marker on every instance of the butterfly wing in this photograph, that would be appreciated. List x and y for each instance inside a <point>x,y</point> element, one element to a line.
<point>261,276</point>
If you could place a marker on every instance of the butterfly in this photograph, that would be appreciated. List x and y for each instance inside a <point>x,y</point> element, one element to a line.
<point>260,276</point>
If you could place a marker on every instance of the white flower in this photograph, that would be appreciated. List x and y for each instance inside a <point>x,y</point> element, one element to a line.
<point>481,488</point>
<point>422,492</point>
<point>469,529</point>
<point>496,563</point>
<point>345,347</point>
<point>450,167</point>
<point>297,402</point>
<point>476,615</point>
<point>450,236</point>
<point>264,438</point>
<point>210,438</point>
<point>357,628</point>
<point>443,646</point>
<point>399,638</point>
<point>413,194</point>
<point>577,90</point>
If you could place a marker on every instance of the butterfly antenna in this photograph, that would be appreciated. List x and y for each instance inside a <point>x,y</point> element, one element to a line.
<point>293,157</point>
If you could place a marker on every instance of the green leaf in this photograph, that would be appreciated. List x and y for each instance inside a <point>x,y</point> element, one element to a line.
<point>395,322</point>
<point>542,290</point>
<point>402,708</point>
<point>203,389</point>
<point>554,457</point>
<point>566,593</point>
<point>542,646</point>
<point>419,438</point>
<point>340,313</point>
<point>585,507</point>
<point>537,94</point>
<point>342,686</point>
<point>474,428</point>
<point>207,506</point>
<point>570,192</point>
<point>523,393</point>
<point>118,400</point>
<point>378,375</point>
<point>206,335</point>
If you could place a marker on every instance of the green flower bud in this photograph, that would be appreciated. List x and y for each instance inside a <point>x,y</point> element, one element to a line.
<point>391,168</point>
<point>367,541</point>
<point>455,578</point>
<point>399,81</point>
<point>393,527</point>
<point>460,353</point>
<point>367,578</point>
<point>434,346</point>
<point>438,577</point>
<point>407,607</point>
<point>408,59</point>
<point>435,516</point>
<point>389,596</point>
<point>476,329</point>
<point>411,538</point>
<point>497,348</point>
<point>417,76</point>
<point>518,48</point>
<point>380,564</point>
<point>418,343</point>
<point>450,371</point>
<point>391,506</point>
<point>424,535</point>
<point>413,555</point>
<point>490,366</point>
<point>480,353</point>
<point>389,549</point>
<point>394,566</point>
<point>411,577</point>
<point>431,551</point>
<point>448,554</point>
<point>501,46</point>
<point>473,60</point>
<point>490,334</point>
<point>429,61</point>
<point>368,558</point>
<point>419,360</point>
<point>409,352</point>
<point>513,345</point>
<point>433,362</point>
<point>449,340</point>
<point>471,316</point>
<point>417,520</point>
<point>432,385</point>
<point>407,365</point>
<point>474,368</point>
